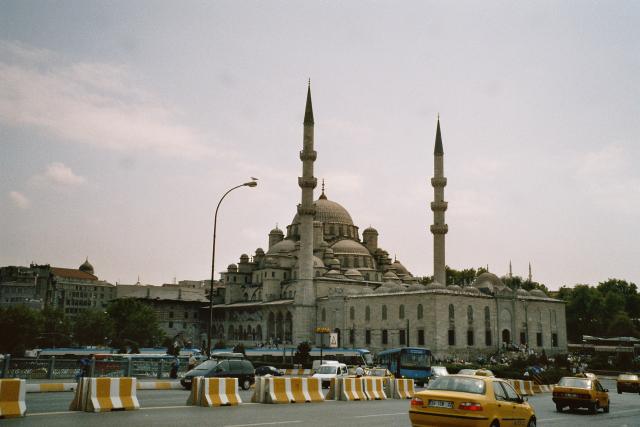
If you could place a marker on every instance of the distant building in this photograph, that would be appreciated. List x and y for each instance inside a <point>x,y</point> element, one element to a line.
<point>177,308</point>
<point>68,289</point>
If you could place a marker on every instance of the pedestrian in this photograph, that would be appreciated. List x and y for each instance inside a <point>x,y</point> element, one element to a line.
<point>359,371</point>
<point>192,362</point>
<point>173,373</point>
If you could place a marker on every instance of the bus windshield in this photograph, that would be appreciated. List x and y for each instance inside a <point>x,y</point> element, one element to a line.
<point>414,359</point>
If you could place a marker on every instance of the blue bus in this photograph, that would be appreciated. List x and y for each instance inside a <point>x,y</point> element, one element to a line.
<point>407,362</point>
<point>349,356</point>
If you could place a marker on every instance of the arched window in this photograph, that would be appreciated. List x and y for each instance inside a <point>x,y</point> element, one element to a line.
<point>367,313</point>
<point>420,313</point>
<point>259,333</point>
<point>352,313</point>
<point>452,313</point>
<point>246,296</point>
<point>288,327</point>
<point>230,334</point>
<point>384,312</point>
<point>470,315</point>
<point>487,318</point>
<point>324,315</point>
<point>401,311</point>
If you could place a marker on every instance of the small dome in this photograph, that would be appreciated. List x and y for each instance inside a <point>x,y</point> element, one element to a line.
<point>382,289</point>
<point>454,288</point>
<point>317,262</point>
<point>416,287</point>
<point>259,251</point>
<point>333,273</point>
<point>504,291</point>
<point>395,287</point>
<point>435,285</point>
<point>283,246</point>
<point>276,231</point>
<point>471,290</point>
<point>522,292</point>
<point>244,258</point>
<point>400,269</point>
<point>349,247</point>
<point>86,267</point>
<point>488,278</point>
<point>231,268</point>
<point>353,274</point>
<point>538,293</point>
<point>391,275</point>
<point>370,230</point>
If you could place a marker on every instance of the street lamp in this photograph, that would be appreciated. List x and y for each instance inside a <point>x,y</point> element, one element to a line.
<point>251,183</point>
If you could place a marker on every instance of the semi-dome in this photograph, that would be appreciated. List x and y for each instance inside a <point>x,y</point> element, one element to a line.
<point>390,275</point>
<point>454,288</point>
<point>333,273</point>
<point>285,245</point>
<point>328,211</point>
<point>353,274</point>
<point>490,278</point>
<point>435,285</point>
<point>522,292</point>
<point>349,247</point>
<point>400,269</point>
<point>416,287</point>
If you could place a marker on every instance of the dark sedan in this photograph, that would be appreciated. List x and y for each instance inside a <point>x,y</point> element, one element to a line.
<point>267,370</point>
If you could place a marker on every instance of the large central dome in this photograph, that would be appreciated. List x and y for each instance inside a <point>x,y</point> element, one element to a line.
<point>328,211</point>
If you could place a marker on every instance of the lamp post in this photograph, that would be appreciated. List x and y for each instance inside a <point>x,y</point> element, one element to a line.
<point>251,183</point>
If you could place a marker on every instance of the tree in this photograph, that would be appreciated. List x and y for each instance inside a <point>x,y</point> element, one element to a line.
<point>303,352</point>
<point>92,327</point>
<point>135,323</point>
<point>20,327</point>
<point>56,330</point>
<point>622,326</point>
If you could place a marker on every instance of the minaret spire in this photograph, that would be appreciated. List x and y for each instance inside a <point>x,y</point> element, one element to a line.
<point>308,111</point>
<point>530,276</point>
<point>439,206</point>
<point>510,270</point>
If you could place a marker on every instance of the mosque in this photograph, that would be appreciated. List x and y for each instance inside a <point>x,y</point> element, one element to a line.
<point>322,273</point>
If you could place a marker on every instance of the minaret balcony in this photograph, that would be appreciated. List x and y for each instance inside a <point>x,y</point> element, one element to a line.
<point>308,155</point>
<point>307,182</point>
<point>439,206</point>
<point>304,210</point>
<point>439,181</point>
<point>439,229</point>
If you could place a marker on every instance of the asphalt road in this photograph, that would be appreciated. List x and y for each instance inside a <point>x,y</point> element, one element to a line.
<point>167,408</point>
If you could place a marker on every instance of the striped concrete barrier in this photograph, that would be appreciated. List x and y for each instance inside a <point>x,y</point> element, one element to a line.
<point>158,385</point>
<point>105,394</point>
<point>542,388</point>
<point>195,395</point>
<point>352,389</point>
<point>292,390</point>
<point>523,387</point>
<point>12,398</point>
<point>50,387</point>
<point>258,395</point>
<point>219,392</point>
<point>374,388</point>
<point>403,388</point>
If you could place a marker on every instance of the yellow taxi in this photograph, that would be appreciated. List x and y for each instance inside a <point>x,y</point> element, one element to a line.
<point>628,382</point>
<point>379,372</point>
<point>580,392</point>
<point>470,400</point>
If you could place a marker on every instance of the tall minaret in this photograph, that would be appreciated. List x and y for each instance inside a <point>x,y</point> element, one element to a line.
<point>530,276</point>
<point>438,206</point>
<point>510,270</point>
<point>305,291</point>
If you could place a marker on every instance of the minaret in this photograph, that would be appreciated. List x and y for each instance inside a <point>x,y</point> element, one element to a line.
<point>510,270</point>
<point>438,206</point>
<point>305,298</point>
<point>530,276</point>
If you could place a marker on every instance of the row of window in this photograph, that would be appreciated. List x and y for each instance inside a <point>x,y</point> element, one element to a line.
<point>186,315</point>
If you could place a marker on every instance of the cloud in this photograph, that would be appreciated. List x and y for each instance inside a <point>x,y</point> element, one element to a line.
<point>59,175</point>
<point>98,104</point>
<point>19,199</point>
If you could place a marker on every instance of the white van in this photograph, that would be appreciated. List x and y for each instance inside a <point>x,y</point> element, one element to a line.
<point>331,370</point>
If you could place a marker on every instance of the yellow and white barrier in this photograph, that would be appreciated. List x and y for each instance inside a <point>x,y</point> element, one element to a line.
<point>196,388</point>
<point>12,403</point>
<point>158,385</point>
<point>352,389</point>
<point>293,390</point>
<point>542,388</point>
<point>259,388</point>
<point>374,388</point>
<point>50,387</point>
<point>105,394</point>
<point>219,392</point>
<point>403,388</point>
<point>523,387</point>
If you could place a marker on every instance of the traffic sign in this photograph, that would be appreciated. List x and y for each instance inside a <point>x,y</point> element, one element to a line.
<point>333,340</point>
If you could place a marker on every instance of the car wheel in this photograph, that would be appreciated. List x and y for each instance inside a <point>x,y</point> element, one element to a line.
<point>532,422</point>
<point>619,391</point>
<point>558,407</point>
<point>495,423</point>
<point>594,407</point>
<point>246,384</point>
<point>606,408</point>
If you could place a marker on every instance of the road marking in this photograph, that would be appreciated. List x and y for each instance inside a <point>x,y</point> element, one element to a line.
<point>381,415</point>
<point>164,407</point>
<point>37,414</point>
<point>565,418</point>
<point>265,424</point>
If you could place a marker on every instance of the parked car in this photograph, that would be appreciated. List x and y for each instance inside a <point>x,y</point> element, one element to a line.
<point>327,372</point>
<point>628,383</point>
<point>240,369</point>
<point>580,392</point>
<point>267,370</point>
<point>461,400</point>
<point>438,371</point>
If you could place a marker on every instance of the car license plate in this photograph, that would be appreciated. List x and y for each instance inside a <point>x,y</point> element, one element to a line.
<point>440,404</point>
<point>572,395</point>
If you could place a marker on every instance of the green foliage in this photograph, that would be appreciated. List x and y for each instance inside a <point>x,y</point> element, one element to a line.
<point>302,355</point>
<point>92,327</point>
<point>56,331</point>
<point>20,327</point>
<point>622,326</point>
<point>135,324</point>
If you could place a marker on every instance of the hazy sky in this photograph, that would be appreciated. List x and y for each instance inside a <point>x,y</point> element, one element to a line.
<point>122,124</point>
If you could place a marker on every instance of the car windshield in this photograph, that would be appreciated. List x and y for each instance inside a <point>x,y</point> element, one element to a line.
<point>378,372</point>
<point>461,384</point>
<point>327,369</point>
<point>439,370</point>
<point>414,359</point>
<point>205,366</point>
<point>628,377</point>
<point>467,372</point>
<point>575,382</point>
